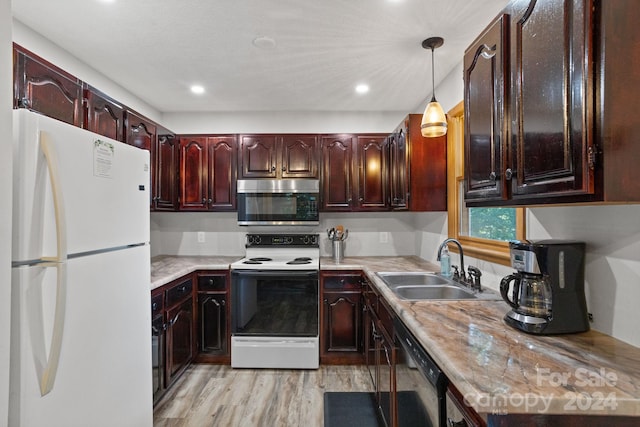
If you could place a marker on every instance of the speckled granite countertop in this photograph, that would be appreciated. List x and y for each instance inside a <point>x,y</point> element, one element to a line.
<point>499,369</point>
<point>165,268</point>
<point>496,368</point>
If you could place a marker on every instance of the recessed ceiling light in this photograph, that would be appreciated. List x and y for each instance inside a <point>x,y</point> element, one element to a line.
<point>362,88</point>
<point>263,42</point>
<point>197,89</point>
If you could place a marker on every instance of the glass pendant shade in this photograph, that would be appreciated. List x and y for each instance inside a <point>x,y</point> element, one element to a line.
<point>434,122</point>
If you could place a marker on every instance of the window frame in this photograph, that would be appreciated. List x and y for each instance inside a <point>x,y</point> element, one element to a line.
<point>485,249</point>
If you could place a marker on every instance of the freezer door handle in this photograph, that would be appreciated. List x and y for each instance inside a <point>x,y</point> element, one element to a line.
<point>48,376</point>
<point>51,157</point>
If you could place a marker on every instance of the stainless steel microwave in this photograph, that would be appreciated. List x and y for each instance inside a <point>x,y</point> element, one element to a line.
<point>278,201</point>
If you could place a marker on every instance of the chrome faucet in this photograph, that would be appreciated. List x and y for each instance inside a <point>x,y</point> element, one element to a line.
<point>462,277</point>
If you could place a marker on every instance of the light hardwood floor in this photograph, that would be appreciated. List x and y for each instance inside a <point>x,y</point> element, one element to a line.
<point>215,395</point>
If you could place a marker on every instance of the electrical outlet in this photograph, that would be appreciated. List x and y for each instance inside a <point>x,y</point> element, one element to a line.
<point>383,236</point>
<point>201,238</point>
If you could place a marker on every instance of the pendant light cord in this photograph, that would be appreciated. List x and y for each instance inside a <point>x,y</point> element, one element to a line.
<point>433,78</point>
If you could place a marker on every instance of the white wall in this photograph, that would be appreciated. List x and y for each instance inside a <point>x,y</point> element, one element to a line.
<point>5,208</point>
<point>177,233</point>
<point>283,122</point>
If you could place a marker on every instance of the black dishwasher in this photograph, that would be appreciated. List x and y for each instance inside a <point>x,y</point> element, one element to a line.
<point>420,384</point>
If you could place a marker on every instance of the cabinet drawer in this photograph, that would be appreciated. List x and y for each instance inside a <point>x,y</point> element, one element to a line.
<point>179,292</point>
<point>212,282</point>
<point>347,281</point>
<point>157,304</point>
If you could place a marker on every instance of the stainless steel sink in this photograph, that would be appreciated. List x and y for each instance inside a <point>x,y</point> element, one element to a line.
<point>436,292</point>
<point>415,286</point>
<point>395,279</point>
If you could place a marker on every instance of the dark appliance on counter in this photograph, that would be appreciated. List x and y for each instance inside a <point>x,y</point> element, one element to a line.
<point>275,303</point>
<point>278,201</point>
<point>547,296</point>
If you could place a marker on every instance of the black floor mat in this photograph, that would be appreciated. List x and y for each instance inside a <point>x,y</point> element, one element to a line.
<point>343,409</point>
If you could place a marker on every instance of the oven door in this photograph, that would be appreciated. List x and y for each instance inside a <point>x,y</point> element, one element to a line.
<point>274,319</point>
<point>274,303</point>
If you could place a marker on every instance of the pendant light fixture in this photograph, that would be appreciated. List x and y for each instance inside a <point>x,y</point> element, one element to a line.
<point>434,122</point>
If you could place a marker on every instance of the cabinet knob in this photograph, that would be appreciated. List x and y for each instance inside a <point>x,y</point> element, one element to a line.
<point>508,174</point>
<point>204,201</point>
<point>210,201</point>
<point>492,176</point>
<point>361,199</point>
<point>284,168</point>
<point>24,103</point>
<point>273,168</point>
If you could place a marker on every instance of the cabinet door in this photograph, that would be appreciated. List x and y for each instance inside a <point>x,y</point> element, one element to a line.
<point>398,182</point>
<point>140,132</point>
<point>299,156</point>
<point>337,173</point>
<point>157,355</point>
<point>343,322</point>
<point>258,156</point>
<point>552,97</point>
<point>485,85</point>
<point>103,115</point>
<point>42,87</point>
<point>193,174</point>
<point>212,323</point>
<point>179,339</point>
<point>372,182</point>
<point>222,157</point>
<point>165,191</point>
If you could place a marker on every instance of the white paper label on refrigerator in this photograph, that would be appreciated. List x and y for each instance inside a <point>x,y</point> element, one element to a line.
<point>103,152</point>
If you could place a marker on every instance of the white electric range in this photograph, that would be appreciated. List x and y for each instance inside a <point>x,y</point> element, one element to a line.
<point>275,303</point>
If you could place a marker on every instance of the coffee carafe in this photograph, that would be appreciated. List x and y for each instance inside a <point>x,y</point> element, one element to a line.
<point>547,296</point>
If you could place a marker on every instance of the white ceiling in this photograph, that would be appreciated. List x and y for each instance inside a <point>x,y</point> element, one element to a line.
<point>157,49</point>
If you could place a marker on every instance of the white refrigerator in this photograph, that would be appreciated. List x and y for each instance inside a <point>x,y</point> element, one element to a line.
<point>80,346</point>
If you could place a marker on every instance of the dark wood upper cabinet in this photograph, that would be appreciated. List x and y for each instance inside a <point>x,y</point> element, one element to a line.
<point>278,156</point>
<point>222,158</point>
<point>551,97</point>
<point>568,109</point>
<point>337,172</point>
<point>165,170</point>
<point>139,131</point>
<point>417,168</point>
<point>103,115</point>
<point>193,173</point>
<point>299,156</point>
<point>371,191</point>
<point>486,138</point>
<point>41,86</point>
<point>208,173</point>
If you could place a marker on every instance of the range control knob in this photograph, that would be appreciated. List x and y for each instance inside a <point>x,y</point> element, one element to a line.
<point>305,239</point>
<point>288,240</point>
<point>314,239</point>
<point>257,240</point>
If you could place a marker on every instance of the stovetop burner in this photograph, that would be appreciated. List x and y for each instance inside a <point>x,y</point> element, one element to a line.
<point>280,252</point>
<point>300,260</point>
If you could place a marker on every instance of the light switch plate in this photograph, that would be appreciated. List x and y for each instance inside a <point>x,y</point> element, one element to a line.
<point>383,237</point>
<point>201,237</point>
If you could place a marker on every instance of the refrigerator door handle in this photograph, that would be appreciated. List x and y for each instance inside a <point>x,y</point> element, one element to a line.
<point>48,376</point>
<point>51,157</point>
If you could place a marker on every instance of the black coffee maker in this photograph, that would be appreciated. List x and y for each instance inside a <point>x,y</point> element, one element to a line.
<point>548,288</point>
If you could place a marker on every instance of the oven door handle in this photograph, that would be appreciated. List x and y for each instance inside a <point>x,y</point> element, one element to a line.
<point>276,273</point>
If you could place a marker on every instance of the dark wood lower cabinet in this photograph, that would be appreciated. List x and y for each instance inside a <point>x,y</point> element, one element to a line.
<point>158,344</point>
<point>213,317</point>
<point>179,339</point>
<point>341,339</point>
